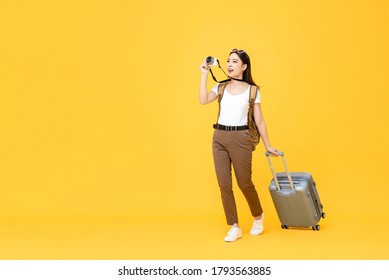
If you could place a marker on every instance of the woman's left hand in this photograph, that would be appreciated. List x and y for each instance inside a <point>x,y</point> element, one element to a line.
<point>272,151</point>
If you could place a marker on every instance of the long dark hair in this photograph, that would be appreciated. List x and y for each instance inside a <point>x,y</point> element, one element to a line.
<point>246,60</point>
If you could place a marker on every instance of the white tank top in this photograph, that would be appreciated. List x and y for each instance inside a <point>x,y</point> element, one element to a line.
<point>234,107</point>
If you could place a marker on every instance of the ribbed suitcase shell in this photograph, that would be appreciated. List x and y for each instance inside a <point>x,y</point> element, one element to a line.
<point>298,207</point>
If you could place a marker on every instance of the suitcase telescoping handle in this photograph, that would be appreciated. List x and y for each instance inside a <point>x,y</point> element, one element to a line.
<point>274,173</point>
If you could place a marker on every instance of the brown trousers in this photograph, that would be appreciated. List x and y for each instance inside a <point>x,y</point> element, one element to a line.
<point>234,148</point>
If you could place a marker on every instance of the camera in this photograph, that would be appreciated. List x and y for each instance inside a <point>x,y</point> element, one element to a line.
<point>211,60</point>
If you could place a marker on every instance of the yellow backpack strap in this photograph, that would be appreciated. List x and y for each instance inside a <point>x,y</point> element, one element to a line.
<point>220,94</point>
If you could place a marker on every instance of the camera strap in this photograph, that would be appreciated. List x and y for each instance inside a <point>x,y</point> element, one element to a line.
<point>229,78</point>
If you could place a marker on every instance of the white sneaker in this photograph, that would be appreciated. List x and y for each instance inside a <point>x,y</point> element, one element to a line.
<point>234,234</point>
<point>257,225</point>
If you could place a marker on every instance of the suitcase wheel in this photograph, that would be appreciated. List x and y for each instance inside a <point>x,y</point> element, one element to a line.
<point>317,227</point>
<point>323,215</point>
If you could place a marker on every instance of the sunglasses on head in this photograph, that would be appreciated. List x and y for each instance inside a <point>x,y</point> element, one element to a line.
<point>238,51</point>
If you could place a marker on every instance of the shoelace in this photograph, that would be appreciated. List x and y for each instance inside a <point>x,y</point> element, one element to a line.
<point>233,227</point>
<point>257,224</point>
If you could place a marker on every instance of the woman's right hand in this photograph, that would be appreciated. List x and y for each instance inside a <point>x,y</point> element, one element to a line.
<point>204,68</point>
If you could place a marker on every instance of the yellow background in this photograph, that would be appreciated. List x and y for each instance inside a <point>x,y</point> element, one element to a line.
<point>105,152</point>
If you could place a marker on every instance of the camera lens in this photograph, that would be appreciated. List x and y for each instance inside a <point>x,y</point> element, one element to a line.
<point>211,60</point>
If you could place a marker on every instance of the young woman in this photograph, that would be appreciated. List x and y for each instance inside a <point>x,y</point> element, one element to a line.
<point>231,140</point>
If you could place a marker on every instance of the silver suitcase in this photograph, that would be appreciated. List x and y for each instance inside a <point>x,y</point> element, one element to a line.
<point>295,198</point>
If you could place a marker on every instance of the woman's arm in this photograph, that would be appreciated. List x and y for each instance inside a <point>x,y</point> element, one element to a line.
<point>261,125</point>
<point>205,96</point>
